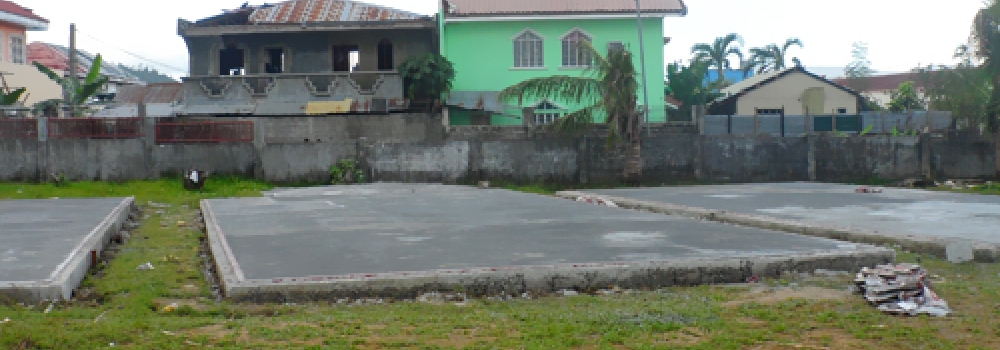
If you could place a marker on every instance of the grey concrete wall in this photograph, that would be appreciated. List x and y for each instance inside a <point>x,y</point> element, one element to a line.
<point>417,127</point>
<point>19,159</point>
<point>749,159</point>
<point>498,156</point>
<point>863,158</point>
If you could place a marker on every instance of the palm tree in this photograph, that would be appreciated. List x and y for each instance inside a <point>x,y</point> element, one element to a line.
<point>759,62</point>
<point>717,53</point>
<point>776,56</point>
<point>608,87</point>
<point>986,42</point>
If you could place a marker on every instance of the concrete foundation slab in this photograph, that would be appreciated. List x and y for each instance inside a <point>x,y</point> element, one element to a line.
<point>927,221</point>
<point>399,240</point>
<point>47,246</point>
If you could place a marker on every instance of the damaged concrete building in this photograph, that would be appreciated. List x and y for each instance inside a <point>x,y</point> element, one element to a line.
<point>302,57</point>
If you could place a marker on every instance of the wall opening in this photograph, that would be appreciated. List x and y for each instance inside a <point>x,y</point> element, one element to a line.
<point>231,62</point>
<point>275,61</point>
<point>346,58</point>
<point>385,61</point>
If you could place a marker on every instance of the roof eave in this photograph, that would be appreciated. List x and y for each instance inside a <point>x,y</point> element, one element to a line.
<point>29,23</point>
<point>497,17</point>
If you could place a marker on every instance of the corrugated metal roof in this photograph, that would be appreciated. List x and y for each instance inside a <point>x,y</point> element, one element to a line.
<point>305,11</point>
<point>152,93</point>
<point>510,7</point>
<point>56,57</point>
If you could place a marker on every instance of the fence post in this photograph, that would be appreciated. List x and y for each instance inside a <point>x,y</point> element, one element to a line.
<point>756,124</point>
<point>833,118</point>
<point>809,122</point>
<point>782,121</point>
<point>43,129</point>
<point>926,165</point>
<point>811,157</point>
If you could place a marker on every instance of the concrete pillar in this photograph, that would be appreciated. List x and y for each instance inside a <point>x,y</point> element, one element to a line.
<point>699,157</point>
<point>926,165</point>
<point>43,129</point>
<point>811,157</point>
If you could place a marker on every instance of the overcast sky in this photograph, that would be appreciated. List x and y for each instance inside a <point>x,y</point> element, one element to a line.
<point>901,34</point>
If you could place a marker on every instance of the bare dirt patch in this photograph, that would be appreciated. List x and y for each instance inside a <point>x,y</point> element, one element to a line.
<point>772,295</point>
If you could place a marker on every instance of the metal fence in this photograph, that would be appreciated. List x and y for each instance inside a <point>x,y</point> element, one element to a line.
<point>95,128</point>
<point>205,132</point>
<point>18,128</point>
<point>797,125</point>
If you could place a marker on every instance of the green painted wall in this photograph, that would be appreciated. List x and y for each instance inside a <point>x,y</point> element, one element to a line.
<point>483,54</point>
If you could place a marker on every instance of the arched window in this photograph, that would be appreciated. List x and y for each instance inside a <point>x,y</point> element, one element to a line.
<point>574,55</point>
<point>385,61</point>
<point>547,112</point>
<point>528,50</point>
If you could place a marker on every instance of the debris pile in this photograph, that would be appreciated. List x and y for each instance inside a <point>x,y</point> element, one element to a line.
<point>902,289</point>
<point>866,189</point>
<point>596,200</point>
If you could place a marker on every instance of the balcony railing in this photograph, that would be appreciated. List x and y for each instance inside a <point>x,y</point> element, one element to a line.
<point>290,93</point>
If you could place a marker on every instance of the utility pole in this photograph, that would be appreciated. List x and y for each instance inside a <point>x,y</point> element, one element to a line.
<point>72,69</point>
<point>642,61</point>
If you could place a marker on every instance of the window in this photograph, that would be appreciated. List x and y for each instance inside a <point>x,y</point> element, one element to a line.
<point>574,54</point>
<point>842,110</point>
<point>768,111</point>
<point>17,50</point>
<point>275,61</point>
<point>547,113</point>
<point>385,61</point>
<point>231,62</point>
<point>346,58</point>
<point>528,50</point>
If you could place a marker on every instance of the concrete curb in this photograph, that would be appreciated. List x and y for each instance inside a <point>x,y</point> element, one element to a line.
<point>68,275</point>
<point>983,252</point>
<point>480,282</point>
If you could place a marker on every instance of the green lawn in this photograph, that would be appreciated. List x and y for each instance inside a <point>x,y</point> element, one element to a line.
<point>123,306</point>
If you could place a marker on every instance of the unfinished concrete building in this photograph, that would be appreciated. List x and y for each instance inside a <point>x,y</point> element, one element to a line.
<point>302,57</point>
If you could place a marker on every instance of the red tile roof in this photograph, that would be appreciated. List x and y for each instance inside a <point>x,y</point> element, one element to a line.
<point>15,9</point>
<point>520,7</point>
<point>302,11</point>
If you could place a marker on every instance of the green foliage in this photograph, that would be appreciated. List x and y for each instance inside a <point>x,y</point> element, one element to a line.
<point>717,53</point>
<point>79,92</point>
<point>964,89</point>
<point>867,130</point>
<point>685,83</point>
<point>428,76</point>
<point>985,46</point>
<point>773,57</point>
<point>12,98</point>
<point>905,98</point>
<point>346,172</point>
<point>608,86</point>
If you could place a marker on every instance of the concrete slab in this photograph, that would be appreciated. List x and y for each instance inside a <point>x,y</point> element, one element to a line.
<point>925,220</point>
<point>399,240</point>
<point>46,246</point>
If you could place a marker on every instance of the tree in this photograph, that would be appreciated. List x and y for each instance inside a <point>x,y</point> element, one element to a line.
<point>608,87</point>
<point>717,54</point>
<point>77,93</point>
<point>686,84</point>
<point>905,98</point>
<point>775,57</point>
<point>962,89</point>
<point>985,41</point>
<point>859,71</point>
<point>428,77</point>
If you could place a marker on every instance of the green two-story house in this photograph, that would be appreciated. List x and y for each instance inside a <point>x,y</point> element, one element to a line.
<point>498,43</point>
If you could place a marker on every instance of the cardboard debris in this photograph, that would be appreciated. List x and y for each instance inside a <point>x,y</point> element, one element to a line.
<point>596,200</point>
<point>902,289</point>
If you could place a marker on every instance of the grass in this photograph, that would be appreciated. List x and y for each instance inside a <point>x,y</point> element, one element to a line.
<point>123,306</point>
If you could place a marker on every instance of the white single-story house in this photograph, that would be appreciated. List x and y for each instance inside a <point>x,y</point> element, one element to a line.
<point>792,91</point>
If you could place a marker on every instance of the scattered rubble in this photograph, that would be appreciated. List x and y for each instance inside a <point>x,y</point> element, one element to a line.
<point>146,266</point>
<point>867,189</point>
<point>902,289</point>
<point>596,200</point>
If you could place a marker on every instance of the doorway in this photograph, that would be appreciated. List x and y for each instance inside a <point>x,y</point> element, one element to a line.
<point>346,58</point>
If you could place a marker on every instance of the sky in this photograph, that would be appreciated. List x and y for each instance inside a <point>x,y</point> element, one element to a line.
<point>900,34</point>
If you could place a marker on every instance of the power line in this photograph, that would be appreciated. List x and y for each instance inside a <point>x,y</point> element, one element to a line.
<point>162,65</point>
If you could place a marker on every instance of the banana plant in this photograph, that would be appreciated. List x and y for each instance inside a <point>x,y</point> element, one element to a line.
<point>11,98</point>
<point>78,92</point>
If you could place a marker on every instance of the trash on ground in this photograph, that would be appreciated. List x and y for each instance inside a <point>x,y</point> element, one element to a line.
<point>866,189</point>
<point>5,320</point>
<point>596,200</point>
<point>146,266</point>
<point>902,289</point>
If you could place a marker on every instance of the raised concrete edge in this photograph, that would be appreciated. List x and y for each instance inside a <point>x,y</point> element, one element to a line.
<point>936,246</point>
<point>226,266</point>
<point>70,273</point>
<point>552,278</point>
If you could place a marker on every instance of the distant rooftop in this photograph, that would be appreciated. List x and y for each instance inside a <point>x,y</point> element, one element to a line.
<point>310,11</point>
<point>21,16</point>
